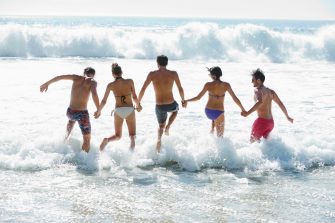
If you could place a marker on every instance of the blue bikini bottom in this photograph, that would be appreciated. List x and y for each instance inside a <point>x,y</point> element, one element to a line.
<point>213,114</point>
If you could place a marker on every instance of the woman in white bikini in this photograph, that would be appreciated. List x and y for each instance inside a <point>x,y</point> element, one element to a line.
<point>124,92</point>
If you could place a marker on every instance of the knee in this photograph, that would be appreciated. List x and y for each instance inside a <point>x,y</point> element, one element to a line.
<point>118,136</point>
<point>161,127</point>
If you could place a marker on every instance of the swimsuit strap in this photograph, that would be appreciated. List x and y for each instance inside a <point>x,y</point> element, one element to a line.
<point>216,96</point>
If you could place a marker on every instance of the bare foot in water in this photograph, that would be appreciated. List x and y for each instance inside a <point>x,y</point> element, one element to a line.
<point>158,146</point>
<point>166,131</point>
<point>103,144</point>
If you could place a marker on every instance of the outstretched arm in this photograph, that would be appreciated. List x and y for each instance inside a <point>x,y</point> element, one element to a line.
<point>44,87</point>
<point>281,106</point>
<point>236,100</point>
<point>103,102</point>
<point>144,87</point>
<point>95,93</point>
<point>135,99</point>
<point>199,96</point>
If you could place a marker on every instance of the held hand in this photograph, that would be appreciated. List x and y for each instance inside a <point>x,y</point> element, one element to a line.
<point>244,113</point>
<point>97,114</point>
<point>184,103</point>
<point>44,87</point>
<point>139,108</point>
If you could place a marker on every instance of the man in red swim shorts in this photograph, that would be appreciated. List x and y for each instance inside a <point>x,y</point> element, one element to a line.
<point>263,96</point>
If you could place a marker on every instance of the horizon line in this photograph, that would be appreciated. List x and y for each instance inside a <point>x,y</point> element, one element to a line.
<point>167,17</point>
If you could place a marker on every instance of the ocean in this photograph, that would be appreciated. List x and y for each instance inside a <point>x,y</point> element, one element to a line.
<point>197,177</point>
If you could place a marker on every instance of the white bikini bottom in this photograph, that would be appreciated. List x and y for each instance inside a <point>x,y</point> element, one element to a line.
<point>123,112</point>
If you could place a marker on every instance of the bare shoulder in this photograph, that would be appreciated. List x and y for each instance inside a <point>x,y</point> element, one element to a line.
<point>91,81</point>
<point>87,81</point>
<point>226,84</point>
<point>111,84</point>
<point>129,80</point>
<point>272,93</point>
<point>77,77</point>
<point>208,84</point>
<point>153,72</point>
<point>173,72</point>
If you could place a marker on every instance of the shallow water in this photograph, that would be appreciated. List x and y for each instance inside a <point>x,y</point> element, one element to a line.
<point>196,178</point>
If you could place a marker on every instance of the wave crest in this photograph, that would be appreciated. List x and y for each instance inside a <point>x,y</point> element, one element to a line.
<point>244,42</point>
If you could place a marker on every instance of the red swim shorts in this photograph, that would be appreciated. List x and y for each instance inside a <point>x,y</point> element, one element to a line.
<point>261,128</point>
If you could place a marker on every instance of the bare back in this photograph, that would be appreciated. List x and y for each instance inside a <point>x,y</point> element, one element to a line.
<point>163,81</point>
<point>80,92</point>
<point>216,92</point>
<point>122,90</point>
<point>265,95</point>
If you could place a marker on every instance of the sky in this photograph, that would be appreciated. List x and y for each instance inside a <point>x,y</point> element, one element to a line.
<point>249,9</point>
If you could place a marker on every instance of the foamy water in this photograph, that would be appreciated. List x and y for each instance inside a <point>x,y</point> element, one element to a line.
<point>197,177</point>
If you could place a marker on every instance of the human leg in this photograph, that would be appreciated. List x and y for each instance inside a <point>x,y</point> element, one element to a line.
<point>212,127</point>
<point>69,128</point>
<point>171,119</point>
<point>118,132</point>
<point>86,142</point>
<point>161,115</point>
<point>219,125</point>
<point>131,123</point>
<point>159,139</point>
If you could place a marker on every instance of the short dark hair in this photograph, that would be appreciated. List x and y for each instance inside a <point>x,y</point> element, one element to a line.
<point>162,60</point>
<point>215,71</point>
<point>258,74</point>
<point>116,69</point>
<point>89,70</point>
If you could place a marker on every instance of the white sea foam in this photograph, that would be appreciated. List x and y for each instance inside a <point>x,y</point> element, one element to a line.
<point>238,43</point>
<point>288,178</point>
<point>193,154</point>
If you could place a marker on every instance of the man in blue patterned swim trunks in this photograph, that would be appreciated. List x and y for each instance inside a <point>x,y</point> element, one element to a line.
<point>163,81</point>
<point>82,86</point>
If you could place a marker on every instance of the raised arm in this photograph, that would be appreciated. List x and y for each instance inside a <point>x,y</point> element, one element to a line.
<point>44,87</point>
<point>134,96</point>
<point>103,102</point>
<point>281,106</point>
<point>95,93</point>
<point>144,87</point>
<point>236,100</point>
<point>180,88</point>
<point>199,96</point>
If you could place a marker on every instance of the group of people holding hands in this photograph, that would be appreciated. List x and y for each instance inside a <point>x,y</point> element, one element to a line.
<point>163,81</point>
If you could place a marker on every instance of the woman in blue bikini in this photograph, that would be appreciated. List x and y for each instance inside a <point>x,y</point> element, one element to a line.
<point>215,106</point>
<point>124,93</point>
